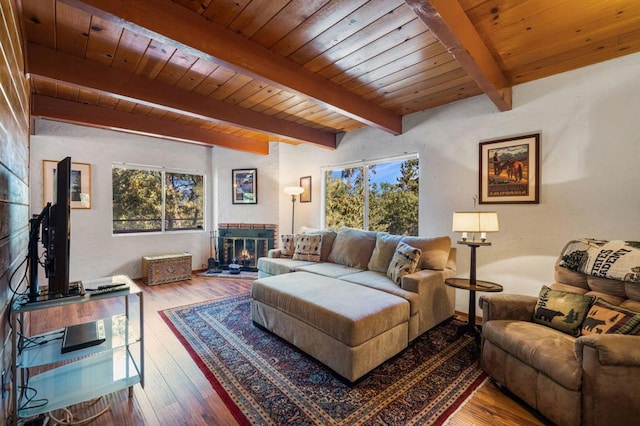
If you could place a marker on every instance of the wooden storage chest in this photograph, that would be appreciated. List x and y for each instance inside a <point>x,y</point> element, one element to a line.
<point>166,268</point>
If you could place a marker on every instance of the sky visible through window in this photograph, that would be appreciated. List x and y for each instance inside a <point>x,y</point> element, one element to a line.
<point>384,172</point>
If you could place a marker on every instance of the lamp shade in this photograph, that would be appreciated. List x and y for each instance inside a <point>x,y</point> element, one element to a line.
<point>475,222</point>
<point>293,190</point>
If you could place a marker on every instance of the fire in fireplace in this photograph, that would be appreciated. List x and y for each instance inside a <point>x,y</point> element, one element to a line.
<point>244,244</point>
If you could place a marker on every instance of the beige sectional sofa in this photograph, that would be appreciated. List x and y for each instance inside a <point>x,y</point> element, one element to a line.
<point>348,309</point>
<point>586,377</point>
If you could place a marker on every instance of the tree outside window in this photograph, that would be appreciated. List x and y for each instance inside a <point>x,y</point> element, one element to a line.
<point>381,196</point>
<point>156,201</point>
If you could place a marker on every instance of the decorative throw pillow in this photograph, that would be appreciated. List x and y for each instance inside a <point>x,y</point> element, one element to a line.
<point>562,310</point>
<point>288,244</point>
<point>328,237</point>
<point>404,262</point>
<point>383,252</point>
<point>308,247</point>
<point>605,318</point>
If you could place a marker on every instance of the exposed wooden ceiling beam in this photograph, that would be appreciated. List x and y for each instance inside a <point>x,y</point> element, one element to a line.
<point>449,23</point>
<point>56,66</point>
<point>177,26</point>
<point>94,116</point>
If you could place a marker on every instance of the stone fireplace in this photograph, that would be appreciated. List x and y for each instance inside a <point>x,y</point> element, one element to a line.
<point>244,243</point>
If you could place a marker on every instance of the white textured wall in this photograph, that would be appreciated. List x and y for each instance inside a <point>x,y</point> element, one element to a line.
<point>590,173</point>
<point>95,251</point>
<point>266,210</point>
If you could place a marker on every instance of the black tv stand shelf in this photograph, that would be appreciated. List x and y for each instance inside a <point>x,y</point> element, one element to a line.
<point>76,289</point>
<point>64,379</point>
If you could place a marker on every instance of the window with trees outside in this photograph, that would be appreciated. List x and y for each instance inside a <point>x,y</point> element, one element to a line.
<point>377,195</point>
<point>154,200</point>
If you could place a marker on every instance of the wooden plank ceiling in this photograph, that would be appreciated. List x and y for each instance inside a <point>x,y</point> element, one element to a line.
<point>243,73</point>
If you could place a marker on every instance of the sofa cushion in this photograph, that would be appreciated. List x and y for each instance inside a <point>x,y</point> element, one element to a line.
<point>568,288</point>
<point>288,244</point>
<point>328,305</point>
<point>404,262</point>
<point>562,310</point>
<point>435,251</point>
<point>328,237</point>
<point>353,247</point>
<point>280,265</point>
<point>383,251</point>
<point>308,247</point>
<point>328,269</point>
<point>380,281</point>
<point>605,318</point>
<point>543,348</point>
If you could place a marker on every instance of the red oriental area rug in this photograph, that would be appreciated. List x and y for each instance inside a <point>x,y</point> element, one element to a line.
<point>265,380</point>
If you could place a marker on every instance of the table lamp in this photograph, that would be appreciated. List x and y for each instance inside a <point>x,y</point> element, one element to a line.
<point>474,222</point>
<point>293,191</point>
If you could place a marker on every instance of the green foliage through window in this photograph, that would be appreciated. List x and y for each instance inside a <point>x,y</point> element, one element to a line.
<point>380,197</point>
<point>156,201</point>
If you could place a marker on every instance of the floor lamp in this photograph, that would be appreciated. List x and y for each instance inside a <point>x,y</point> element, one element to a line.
<point>293,191</point>
<point>474,222</point>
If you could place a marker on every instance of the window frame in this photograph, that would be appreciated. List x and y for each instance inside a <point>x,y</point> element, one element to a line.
<point>361,163</point>
<point>163,171</point>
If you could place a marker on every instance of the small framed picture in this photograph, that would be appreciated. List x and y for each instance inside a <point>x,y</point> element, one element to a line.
<point>305,183</point>
<point>80,183</point>
<point>510,171</point>
<point>245,186</point>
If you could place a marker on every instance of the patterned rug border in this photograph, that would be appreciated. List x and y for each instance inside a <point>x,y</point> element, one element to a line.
<point>479,382</point>
<point>236,411</point>
<point>217,386</point>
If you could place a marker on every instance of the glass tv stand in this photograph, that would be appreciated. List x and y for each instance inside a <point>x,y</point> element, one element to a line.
<point>46,379</point>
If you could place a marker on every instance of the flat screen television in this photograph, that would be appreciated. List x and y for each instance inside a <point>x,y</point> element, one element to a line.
<point>54,224</point>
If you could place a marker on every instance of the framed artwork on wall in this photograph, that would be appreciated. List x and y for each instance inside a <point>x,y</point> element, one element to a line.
<point>80,184</point>
<point>305,182</point>
<point>510,170</point>
<point>245,186</point>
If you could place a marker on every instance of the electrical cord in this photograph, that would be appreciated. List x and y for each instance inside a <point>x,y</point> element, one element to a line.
<point>32,342</point>
<point>69,417</point>
<point>14,291</point>
<point>31,399</point>
<point>24,277</point>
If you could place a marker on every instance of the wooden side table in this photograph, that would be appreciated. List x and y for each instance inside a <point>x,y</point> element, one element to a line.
<point>478,285</point>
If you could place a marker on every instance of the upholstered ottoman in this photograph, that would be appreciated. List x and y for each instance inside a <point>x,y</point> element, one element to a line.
<point>348,327</point>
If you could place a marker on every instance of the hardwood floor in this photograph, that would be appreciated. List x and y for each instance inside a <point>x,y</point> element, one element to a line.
<point>177,393</point>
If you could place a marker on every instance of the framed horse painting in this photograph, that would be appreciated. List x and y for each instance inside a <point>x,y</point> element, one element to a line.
<point>510,171</point>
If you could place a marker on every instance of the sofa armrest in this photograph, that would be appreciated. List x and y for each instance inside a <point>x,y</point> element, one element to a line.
<point>275,253</point>
<point>436,301</point>
<point>611,349</point>
<point>507,306</point>
<point>610,377</point>
<point>415,282</point>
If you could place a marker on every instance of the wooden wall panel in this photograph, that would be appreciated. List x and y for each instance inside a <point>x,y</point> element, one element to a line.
<point>14,171</point>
